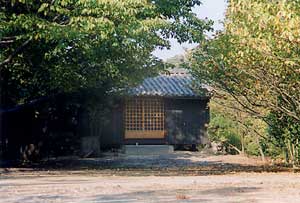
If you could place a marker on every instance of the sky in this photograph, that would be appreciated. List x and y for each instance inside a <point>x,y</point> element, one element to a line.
<point>212,9</point>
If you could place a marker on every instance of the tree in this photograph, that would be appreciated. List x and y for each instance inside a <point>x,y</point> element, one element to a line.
<point>237,130</point>
<point>53,46</point>
<point>256,59</point>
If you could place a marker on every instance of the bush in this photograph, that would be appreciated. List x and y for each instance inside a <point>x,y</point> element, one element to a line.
<point>222,129</point>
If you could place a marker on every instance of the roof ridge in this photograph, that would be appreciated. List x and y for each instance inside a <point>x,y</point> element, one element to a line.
<point>170,85</point>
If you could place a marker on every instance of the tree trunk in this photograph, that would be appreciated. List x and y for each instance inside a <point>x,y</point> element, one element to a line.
<point>291,153</point>
<point>243,142</point>
<point>241,133</point>
<point>260,150</point>
<point>236,149</point>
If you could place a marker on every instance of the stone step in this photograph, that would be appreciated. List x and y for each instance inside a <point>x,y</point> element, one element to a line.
<point>148,149</point>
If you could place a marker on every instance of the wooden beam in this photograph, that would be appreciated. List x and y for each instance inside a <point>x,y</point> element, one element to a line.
<point>141,134</point>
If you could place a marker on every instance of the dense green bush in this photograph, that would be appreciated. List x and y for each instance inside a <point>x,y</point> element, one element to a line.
<point>223,130</point>
<point>240,133</point>
<point>285,133</point>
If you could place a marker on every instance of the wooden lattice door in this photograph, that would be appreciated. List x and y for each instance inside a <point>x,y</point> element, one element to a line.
<point>144,118</point>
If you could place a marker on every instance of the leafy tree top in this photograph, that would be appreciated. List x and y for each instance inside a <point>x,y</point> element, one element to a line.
<point>64,45</point>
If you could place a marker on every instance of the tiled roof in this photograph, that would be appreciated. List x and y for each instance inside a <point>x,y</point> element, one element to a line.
<point>174,85</point>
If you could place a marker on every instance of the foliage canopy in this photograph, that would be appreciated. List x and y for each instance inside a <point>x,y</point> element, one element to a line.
<point>53,46</point>
<point>256,61</point>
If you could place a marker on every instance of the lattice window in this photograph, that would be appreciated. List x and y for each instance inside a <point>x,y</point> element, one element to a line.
<point>144,114</point>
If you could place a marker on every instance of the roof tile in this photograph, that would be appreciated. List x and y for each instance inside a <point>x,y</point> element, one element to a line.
<point>173,85</point>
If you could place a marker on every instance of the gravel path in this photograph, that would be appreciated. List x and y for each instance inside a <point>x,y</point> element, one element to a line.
<point>177,177</point>
<point>242,187</point>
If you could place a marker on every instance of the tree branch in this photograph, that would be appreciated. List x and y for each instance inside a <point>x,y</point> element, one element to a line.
<point>7,42</point>
<point>10,57</point>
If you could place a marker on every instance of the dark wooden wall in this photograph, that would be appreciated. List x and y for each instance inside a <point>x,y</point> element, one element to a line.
<point>112,135</point>
<point>186,121</point>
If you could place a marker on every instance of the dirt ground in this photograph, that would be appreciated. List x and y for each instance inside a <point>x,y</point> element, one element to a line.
<point>179,177</point>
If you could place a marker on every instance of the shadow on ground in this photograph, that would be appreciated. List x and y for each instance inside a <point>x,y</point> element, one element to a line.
<point>162,165</point>
<point>159,195</point>
<point>181,195</point>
